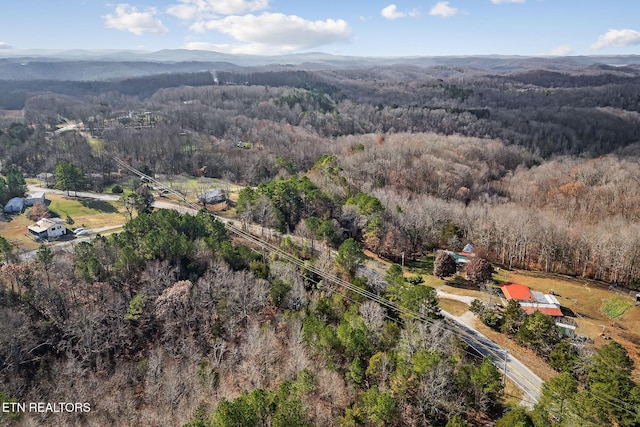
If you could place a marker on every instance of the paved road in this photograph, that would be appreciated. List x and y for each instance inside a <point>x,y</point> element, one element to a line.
<point>522,376</point>
<point>462,298</point>
<point>517,372</point>
<point>98,196</point>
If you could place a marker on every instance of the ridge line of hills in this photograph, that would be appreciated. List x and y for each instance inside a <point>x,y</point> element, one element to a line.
<point>86,65</point>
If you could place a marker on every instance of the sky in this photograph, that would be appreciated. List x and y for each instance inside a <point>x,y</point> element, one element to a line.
<point>341,27</point>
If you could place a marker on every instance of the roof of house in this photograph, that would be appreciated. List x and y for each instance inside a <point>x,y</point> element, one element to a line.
<point>545,298</point>
<point>36,195</point>
<point>44,224</point>
<point>459,258</point>
<point>213,195</point>
<point>517,292</point>
<point>550,311</point>
<point>566,326</point>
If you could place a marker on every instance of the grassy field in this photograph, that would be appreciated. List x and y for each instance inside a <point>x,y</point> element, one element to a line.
<point>593,306</point>
<point>456,290</point>
<point>454,307</point>
<point>87,213</point>
<point>193,185</point>
<point>189,186</point>
<point>80,209</point>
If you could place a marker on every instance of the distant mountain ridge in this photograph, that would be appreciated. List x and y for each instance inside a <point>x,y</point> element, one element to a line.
<point>86,65</point>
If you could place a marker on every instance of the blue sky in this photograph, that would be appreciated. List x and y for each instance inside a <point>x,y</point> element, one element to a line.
<point>345,27</point>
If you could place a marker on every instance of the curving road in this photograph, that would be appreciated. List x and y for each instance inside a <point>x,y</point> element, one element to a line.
<point>516,371</point>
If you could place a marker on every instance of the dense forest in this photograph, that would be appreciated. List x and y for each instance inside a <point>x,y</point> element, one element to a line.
<point>537,168</point>
<point>485,155</point>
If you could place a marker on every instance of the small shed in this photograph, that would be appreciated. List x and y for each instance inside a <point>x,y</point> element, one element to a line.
<point>46,178</point>
<point>48,228</point>
<point>212,197</point>
<point>34,198</point>
<point>566,329</point>
<point>15,205</point>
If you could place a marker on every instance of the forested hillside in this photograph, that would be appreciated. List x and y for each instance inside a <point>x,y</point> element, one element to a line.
<point>483,151</point>
<point>172,321</point>
<point>169,319</point>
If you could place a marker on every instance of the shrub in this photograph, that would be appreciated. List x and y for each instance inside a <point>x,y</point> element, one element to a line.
<point>444,265</point>
<point>38,211</point>
<point>136,306</point>
<point>479,270</point>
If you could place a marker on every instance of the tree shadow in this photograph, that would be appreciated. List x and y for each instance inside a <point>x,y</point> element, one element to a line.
<point>461,283</point>
<point>423,265</point>
<point>99,205</point>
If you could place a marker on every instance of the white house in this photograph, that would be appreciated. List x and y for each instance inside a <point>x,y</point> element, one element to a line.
<point>48,228</point>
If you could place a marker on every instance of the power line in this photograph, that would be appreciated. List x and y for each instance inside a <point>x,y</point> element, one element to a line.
<point>467,337</point>
<point>454,328</point>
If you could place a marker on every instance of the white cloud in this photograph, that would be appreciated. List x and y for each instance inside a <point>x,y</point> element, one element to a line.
<point>442,8</point>
<point>128,18</point>
<point>617,38</point>
<point>507,1</point>
<point>207,9</point>
<point>391,12</point>
<point>273,33</point>
<point>4,45</point>
<point>562,50</point>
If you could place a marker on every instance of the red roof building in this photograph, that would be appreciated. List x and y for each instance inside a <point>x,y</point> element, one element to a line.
<point>531,301</point>
<point>516,292</point>
<point>550,311</point>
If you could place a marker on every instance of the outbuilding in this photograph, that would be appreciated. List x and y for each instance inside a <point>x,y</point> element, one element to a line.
<point>46,178</point>
<point>212,197</point>
<point>15,205</point>
<point>34,198</point>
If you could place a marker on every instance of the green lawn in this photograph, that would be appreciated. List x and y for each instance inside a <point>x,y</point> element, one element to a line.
<point>424,265</point>
<point>88,213</point>
<point>454,307</point>
<point>615,307</point>
<point>77,207</point>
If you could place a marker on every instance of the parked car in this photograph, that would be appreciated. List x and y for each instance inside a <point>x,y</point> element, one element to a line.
<point>81,232</point>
